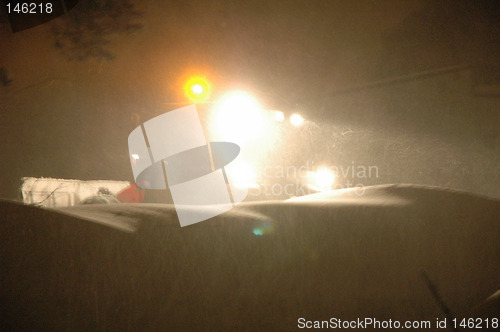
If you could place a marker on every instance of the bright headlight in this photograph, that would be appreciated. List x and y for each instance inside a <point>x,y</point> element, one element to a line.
<point>322,179</point>
<point>239,118</point>
<point>296,120</point>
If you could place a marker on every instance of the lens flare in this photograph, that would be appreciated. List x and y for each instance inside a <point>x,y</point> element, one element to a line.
<point>263,228</point>
<point>257,231</point>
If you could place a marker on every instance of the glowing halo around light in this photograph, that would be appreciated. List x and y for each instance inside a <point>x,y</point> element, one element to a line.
<point>197,89</point>
<point>279,116</point>
<point>322,179</point>
<point>242,174</point>
<point>296,120</point>
<point>238,117</point>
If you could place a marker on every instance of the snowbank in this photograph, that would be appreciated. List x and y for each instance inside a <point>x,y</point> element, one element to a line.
<point>48,192</point>
<point>261,266</point>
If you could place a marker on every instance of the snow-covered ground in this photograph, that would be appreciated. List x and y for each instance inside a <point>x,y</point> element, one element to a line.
<point>260,266</point>
<point>48,192</point>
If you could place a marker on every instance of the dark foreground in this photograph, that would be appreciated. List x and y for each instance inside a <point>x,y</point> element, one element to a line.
<point>262,266</point>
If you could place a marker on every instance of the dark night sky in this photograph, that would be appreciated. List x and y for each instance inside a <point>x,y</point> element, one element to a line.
<point>70,119</point>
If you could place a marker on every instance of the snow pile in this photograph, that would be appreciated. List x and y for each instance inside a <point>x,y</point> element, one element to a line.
<point>48,192</point>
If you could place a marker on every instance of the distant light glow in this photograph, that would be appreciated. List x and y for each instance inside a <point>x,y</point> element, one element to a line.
<point>279,116</point>
<point>296,120</point>
<point>241,174</point>
<point>197,89</point>
<point>135,156</point>
<point>322,179</point>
